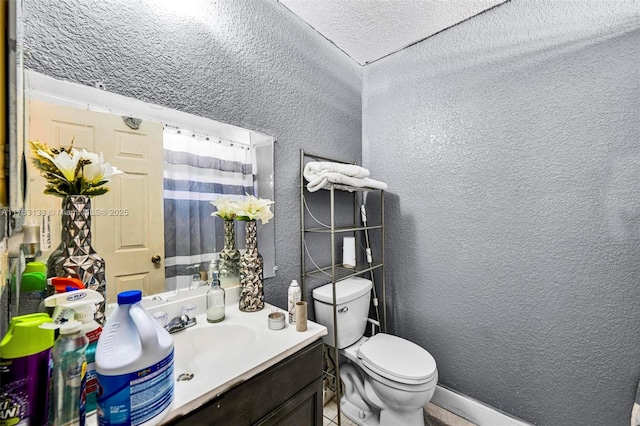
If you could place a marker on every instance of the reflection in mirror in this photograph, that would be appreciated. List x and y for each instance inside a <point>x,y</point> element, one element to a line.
<point>11,140</point>
<point>3,108</point>
<point>15,92</point>
<point>174,163</point>
<point>10,148</point>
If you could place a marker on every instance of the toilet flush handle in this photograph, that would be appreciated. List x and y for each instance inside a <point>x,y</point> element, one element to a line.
<point>343,309</point>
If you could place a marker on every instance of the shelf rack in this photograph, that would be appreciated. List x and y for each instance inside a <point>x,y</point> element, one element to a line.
<point>335,272</point>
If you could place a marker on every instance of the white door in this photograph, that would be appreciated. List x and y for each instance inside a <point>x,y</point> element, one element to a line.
<point>128,221</point>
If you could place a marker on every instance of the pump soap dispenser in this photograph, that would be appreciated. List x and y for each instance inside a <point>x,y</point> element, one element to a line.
<point>196,279</point>
<point>215,297</point>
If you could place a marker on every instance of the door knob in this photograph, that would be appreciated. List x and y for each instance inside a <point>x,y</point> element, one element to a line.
<point>156,259</point>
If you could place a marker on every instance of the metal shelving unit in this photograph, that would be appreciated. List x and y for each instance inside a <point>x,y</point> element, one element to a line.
<point>335,272</point>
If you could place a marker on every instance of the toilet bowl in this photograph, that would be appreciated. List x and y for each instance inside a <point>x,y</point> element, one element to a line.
<point>387,379</point>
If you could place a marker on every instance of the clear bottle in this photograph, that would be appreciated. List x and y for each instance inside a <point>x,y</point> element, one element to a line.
<point>69,375</point>
<point>196,279</point>
<point>294,295</point>
<point>215,299</point>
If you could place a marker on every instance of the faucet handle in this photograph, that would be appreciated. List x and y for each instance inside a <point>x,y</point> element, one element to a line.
<point>162,318</point>
<point>189,310</point>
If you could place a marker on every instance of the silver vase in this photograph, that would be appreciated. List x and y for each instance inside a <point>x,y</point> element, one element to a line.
<point>229,257</point>
<point>251,278</point>
<point>75,257</point>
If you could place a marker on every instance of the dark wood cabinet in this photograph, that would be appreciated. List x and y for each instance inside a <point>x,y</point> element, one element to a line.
<point>287,394</point>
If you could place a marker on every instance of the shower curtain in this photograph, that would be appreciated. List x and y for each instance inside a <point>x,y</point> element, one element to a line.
<point>198,169</point>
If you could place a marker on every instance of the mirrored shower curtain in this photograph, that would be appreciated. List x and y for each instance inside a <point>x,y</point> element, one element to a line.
<point>198,169</point>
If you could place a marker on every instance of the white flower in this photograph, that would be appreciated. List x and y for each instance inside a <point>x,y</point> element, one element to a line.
<point>65,163</point>
<point>252,208</point>
<point>226,208</point>
<point>97,171</point>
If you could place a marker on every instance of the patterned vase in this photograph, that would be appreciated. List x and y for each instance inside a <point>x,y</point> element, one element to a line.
<point>229,257</point>
<point>75,257</point>
<point>251,280</point>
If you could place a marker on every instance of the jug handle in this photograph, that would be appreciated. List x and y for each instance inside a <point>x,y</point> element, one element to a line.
<point>146,328</point>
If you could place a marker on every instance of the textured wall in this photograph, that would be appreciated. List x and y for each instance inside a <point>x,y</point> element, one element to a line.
<point>248,63</point>
<point>511,146</point>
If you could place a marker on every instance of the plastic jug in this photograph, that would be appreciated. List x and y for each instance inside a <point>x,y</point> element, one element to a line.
<point>134,366</point>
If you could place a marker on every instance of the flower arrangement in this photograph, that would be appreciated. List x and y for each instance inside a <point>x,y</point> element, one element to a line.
<point>72,172</point>
<point>249,208</point>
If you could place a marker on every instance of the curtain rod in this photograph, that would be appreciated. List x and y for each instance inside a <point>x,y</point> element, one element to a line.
<point>207,137</point>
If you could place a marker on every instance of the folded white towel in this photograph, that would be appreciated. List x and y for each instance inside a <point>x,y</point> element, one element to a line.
<point>319,167</point>
<point>346,177</point>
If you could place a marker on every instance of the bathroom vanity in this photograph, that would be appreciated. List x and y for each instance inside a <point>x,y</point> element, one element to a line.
<point>289,393</point>
<point>240,372</point>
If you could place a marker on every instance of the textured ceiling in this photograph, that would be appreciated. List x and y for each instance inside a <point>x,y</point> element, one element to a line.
<point>368,30</point>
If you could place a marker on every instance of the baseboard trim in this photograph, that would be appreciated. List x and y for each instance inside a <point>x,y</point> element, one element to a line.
<point>473,410</point>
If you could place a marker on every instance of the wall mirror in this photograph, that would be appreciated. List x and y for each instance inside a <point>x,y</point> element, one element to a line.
<point>149,211</point>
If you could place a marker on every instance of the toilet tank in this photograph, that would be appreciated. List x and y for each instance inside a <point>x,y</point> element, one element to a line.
<point>352,305</point>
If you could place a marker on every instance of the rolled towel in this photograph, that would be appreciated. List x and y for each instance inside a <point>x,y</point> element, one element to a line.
<point>346,177</point>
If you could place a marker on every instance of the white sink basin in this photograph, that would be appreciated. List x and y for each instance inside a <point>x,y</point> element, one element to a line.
<point>209,359</point>
<point>211,345</point>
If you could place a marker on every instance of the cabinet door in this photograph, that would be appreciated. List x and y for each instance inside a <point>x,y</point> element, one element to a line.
<point>304,409</point>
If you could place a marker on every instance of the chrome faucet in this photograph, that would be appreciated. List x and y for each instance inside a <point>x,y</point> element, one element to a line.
<point>179,323</point>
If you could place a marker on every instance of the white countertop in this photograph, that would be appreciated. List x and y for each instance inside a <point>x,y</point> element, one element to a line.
<point>223,355</point>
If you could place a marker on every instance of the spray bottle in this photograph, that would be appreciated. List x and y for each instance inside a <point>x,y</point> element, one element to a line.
<point>81,304</point>
<point>294,295</point>
<point>57,285</point>
<point>69,375</point>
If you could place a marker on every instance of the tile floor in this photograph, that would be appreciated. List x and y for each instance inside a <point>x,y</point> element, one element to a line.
<point>330,415</point>
<point>434,416</point>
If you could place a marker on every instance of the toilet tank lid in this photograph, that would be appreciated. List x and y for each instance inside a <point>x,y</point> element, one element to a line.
<point>346,290</point>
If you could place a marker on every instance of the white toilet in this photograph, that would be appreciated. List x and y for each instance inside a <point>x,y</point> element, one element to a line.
<point>387,380</point>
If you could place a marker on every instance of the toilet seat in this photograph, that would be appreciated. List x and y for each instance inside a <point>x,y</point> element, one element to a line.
<point>397,359</point>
